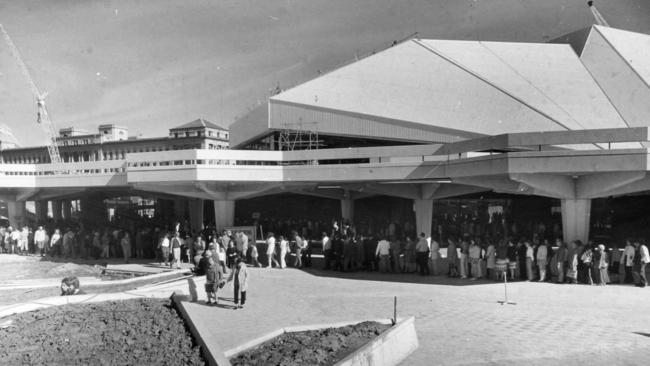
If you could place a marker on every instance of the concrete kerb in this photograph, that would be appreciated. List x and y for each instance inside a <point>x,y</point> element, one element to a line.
<point>387,349</point>
<point>210,349</point>
<point>97,282</point>
<point>160,291</point>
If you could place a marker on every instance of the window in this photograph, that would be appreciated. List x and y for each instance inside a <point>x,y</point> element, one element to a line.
<point>176,134</point>
<point>209,133</point>
<point>187,134</point>
<point>199,134</point>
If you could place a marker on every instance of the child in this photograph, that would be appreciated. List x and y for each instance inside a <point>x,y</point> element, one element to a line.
<point>213,280</point>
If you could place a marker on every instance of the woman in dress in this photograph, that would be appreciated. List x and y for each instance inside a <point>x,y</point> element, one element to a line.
<point>490,260</point>
<point>452,258</point>
<point>603,265</point>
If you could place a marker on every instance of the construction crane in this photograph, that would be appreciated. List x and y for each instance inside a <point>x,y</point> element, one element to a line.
<point>599,17</point>
<point>43,118</point>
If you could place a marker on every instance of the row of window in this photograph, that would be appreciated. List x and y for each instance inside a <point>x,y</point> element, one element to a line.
<point>108,155</point>
<point>223,135</point>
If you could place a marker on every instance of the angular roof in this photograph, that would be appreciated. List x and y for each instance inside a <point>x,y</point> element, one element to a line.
<point>199,123</point>
<point>618,61</point>
<point>459,89</point>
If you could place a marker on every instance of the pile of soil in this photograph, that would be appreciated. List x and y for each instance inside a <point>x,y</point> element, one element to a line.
<point>316,347</point>
<point>133,332</point>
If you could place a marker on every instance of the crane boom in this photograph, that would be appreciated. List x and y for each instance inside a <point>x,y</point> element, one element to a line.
<point>599,17</point>
<point>43,117</point>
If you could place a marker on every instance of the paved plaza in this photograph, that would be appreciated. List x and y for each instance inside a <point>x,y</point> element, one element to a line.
<point>458,322</point>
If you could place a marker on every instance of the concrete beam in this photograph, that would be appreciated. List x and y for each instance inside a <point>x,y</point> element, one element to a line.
<point>555,186</point>
<point>454,190</point>
<point>601,185</point>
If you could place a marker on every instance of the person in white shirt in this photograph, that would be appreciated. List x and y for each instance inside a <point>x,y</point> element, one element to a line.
<point>327,250</point>
<point>530,258</point>
<point>40,237</point>
<point>284,246</point>
<point>164,249</point>
<point>270,251</point>
<point>383,252</point>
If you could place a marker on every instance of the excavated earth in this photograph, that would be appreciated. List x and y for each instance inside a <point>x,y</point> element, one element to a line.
<point>316,347</point>
<point>131,332</point>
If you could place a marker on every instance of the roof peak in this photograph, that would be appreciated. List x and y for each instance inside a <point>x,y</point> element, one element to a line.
<point>199,122</point>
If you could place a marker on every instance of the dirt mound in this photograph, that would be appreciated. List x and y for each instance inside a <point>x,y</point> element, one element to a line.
<point>317,347</point>
<point>71,269</point>
<point>134,332</point>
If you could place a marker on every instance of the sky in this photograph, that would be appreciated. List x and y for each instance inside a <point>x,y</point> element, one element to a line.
<point>151,65</point>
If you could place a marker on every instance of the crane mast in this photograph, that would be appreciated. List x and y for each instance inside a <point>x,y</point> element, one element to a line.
<point>43,118</point>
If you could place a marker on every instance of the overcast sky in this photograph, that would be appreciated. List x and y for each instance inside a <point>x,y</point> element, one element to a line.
<point>151,65</point>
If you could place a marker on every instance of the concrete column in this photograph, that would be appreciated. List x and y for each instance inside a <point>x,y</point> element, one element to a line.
<point>224,213</point>
<point>423,216</point>
<point>179,208</point>
<point>41,210</point>
<point>16,213</point>
<point>57,207</point>
<point>347,209</point>
<point>196,214</point>
<point>67,210</point>
<point>576,217</point>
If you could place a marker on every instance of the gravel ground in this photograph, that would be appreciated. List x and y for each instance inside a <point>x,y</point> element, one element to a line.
<point>133,332</point>
<point>15,267</point>
<point>317,347</point>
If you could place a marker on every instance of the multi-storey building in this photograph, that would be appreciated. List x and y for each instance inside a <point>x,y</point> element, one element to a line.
<point>113,142</point>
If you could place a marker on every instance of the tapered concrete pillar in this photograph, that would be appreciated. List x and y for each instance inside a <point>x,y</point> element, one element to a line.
<point>67,210</point>
<point>423,216</point>
<point>179,208</point>
<point>576,217</point>
<point>41,210</point>
<point>16,212</point>
<point>224,213</point>
<point>347,209</point>
<point>57,208</point>
<point>196,214</point>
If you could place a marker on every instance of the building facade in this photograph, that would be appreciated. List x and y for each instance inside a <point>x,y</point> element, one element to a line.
<point>113,142</point>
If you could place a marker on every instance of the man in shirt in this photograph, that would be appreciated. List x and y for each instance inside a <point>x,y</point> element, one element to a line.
<point>641,258</point>
<point>40,239</point>
<point>383,252</point>
<point>422,254</point>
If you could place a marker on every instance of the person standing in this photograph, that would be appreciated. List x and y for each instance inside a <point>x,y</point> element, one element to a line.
<point>452,258</point>
<point>176,244</point>
<point>409,255</point>
<point>327,250</point>
<point>270,251</point>
<point>125,243</point>
<point>628,259</point>
<point>383,252</point>
<point>239,276</point>
<point>641,258</point>
<point>40,240</point>
<point>542,260</point>
<point>587,260</point>
<point>600,259</point>
<point>300,245</point>
<point>55,240</point>
<point>561,259</point>
<point>422,255</point>
<point>284,249</point>
<point>254,255</point>
<point>530,258</point>
<point>213,278</point>
<point>475,260</point>
<point>464,257</point>
<point>490,260</point>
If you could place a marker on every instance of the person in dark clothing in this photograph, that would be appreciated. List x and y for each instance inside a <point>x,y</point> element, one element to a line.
<point>512,259</point>
<point>231,255</point>
<point>521,260</point>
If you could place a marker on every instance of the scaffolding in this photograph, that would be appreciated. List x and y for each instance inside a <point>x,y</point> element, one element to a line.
<point>299,136</point>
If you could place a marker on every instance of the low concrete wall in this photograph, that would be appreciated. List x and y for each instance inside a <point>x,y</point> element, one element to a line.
<point>388,349</point>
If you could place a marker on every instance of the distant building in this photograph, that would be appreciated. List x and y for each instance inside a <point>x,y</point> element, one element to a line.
<point>113,142</point>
